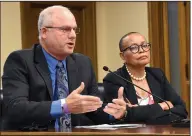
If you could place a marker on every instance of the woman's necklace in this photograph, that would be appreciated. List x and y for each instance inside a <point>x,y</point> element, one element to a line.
<point>136,78</point>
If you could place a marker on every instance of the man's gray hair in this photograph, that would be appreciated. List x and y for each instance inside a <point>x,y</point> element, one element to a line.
<point>45,16</point>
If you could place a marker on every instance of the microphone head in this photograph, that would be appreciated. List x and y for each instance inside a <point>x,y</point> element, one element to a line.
<point>105,68</point>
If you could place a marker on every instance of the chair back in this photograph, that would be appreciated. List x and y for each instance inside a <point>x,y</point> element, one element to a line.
<point>101,90</point>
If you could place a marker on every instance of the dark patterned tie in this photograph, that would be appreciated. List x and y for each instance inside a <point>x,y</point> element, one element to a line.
<point>62,91</point>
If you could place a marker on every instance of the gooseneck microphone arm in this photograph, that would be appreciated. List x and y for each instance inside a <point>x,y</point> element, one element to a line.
<point>107,69</point>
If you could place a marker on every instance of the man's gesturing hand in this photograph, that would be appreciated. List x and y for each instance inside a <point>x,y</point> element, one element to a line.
<point>118,107</point>
<point>78,103</point>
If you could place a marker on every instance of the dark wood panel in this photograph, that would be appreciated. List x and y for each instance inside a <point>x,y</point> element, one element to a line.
<point>0,43</point>
<point>158,36</point>
<point>184,46</point>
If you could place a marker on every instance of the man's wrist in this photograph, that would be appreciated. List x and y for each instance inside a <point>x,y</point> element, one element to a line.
<point>64,106</point>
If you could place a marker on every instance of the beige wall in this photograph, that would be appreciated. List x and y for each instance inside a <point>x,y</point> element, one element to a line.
<point>10,29</point>
<point>114,19</point>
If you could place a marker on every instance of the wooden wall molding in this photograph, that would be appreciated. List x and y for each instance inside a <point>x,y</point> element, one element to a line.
<point>158,36</point>
<point>184,47</point>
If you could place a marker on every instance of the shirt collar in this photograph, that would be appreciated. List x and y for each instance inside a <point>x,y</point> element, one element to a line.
<point>52,62</point>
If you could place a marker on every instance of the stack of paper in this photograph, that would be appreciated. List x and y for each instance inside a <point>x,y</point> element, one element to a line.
<point>112,127</point>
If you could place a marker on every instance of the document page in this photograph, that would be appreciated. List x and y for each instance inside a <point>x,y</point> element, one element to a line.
<point>112,127</point>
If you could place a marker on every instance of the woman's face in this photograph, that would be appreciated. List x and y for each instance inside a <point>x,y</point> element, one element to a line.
<point>136,51</point>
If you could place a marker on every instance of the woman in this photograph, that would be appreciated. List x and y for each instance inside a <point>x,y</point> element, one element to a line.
<point>132,104</point>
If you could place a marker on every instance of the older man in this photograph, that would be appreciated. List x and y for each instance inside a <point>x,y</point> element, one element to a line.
<point>49,84</point>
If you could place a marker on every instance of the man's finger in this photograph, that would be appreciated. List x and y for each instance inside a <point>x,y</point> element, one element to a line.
<point>129,105</point>
<point>93,108</point>
<point>90,103</point>
<point>110,111</point>
<point>79,89</point>
<point>114,106</point>
<point>90,98</point>
<point>119,101</point>
<point>135,105</point>
<point>120,93</point>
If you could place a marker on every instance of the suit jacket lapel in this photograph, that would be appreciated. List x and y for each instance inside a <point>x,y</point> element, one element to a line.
<point>42,67</point>
<point>129,88</point>
<point>72,71</point>
<point>130,92</point>
<point>154,86</point>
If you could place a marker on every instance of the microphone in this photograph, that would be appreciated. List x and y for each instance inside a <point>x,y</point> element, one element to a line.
<point>170,112</point>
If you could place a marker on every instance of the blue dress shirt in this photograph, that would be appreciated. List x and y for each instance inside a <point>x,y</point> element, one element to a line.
<point>56,108</point>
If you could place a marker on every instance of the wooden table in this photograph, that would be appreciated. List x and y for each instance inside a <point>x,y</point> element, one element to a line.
<point>149,130</point>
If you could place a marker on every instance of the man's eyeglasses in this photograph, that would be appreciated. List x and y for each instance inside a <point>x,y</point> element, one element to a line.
<point>134,48</point>
<point>65,29</point>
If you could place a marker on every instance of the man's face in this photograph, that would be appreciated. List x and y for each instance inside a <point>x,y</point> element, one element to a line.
<point>60,37</point>
<point>134,55</point>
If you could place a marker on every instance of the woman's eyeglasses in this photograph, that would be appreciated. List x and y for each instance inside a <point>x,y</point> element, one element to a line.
<point>134,48</point>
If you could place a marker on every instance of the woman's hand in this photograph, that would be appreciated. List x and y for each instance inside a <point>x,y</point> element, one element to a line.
<point>164,106</point>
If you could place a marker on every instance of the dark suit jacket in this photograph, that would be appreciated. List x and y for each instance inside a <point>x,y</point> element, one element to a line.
<point>158,85</point>
<point>28,90</point>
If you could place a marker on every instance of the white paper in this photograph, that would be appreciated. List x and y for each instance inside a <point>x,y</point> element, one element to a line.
<point>112,127</point>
